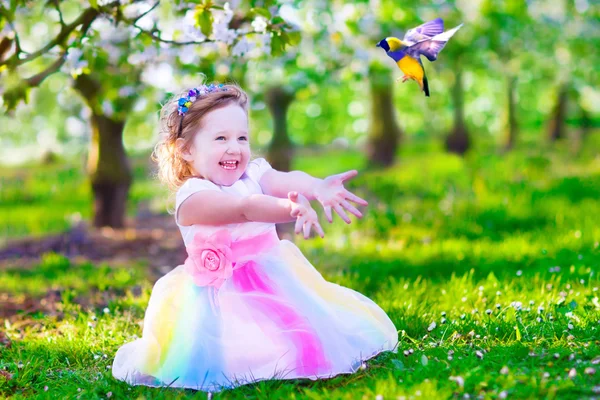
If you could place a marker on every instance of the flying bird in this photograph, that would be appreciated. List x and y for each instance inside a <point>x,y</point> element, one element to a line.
<point>427,40</point>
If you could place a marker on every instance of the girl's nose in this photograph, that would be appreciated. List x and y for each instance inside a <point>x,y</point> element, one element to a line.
<point>233,149</point>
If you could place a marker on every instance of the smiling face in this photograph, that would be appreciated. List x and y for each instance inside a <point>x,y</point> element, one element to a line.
<point>220,150</point>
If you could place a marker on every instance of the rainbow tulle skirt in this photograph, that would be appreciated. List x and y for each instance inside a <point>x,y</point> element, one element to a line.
<point>266,314</point>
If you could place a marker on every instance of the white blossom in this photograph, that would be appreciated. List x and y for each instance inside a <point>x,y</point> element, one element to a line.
<point>260,24</point>
<point>242,47</point>
<point>73,63</point>
<point>124,92</point>
<point>107,108</point>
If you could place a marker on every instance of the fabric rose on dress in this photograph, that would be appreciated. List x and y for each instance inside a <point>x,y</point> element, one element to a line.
<point>210,259</point>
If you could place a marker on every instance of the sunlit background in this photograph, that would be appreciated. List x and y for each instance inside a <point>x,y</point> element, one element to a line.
<point>482,230</point>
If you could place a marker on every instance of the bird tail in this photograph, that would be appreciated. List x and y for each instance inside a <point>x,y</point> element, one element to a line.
<point>426,86</point>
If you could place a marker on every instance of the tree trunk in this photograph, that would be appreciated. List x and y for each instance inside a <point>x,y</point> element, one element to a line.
<point>108,167</point>
<point>458,140</point>
<point>281,149</point>
<point>384,132</point>
<point>511,118</point>
<point>585,123</point>
<point>556,126</point>
<point>110,172</point>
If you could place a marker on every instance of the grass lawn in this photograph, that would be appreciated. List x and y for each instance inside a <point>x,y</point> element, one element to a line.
<point>487,265</point>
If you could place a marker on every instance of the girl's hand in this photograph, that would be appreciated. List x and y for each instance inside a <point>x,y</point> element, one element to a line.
<point>331,193</point>
<point>305,216</point>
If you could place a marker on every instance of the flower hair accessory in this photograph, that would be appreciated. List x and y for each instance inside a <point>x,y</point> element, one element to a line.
<point>184,103</point>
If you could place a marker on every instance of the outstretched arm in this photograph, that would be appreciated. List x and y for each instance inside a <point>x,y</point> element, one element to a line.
<point>279,184</point>
<point>209,207</point>
<point>330,192</point>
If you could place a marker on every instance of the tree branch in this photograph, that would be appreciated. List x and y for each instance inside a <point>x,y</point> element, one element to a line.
<point>177,43</point>
<point>10,21</point>
<point>5,46</point>
<point>37,79</point>
<point>170,42</point>
<point>60,15</point>
<point>142,15</point>
<point>86,17</point>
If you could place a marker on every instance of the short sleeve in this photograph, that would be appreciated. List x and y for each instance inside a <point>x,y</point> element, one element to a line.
<point>191,186</point>
<point>257,168</point>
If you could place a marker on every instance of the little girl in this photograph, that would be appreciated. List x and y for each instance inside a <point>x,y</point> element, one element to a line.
<point>245,306</point>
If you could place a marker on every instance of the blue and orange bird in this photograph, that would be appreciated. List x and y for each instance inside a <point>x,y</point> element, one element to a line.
<point>427,39</point>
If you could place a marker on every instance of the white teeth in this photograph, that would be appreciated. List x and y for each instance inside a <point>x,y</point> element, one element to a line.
<point>229,164</point>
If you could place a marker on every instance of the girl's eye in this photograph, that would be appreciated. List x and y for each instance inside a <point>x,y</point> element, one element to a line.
<point>243,138</point>
<point>221,137</point>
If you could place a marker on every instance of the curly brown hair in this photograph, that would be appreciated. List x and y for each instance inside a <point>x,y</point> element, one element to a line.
<point>173,170</point>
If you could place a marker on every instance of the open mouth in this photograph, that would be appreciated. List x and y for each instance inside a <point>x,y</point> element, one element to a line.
<point>229,165</point>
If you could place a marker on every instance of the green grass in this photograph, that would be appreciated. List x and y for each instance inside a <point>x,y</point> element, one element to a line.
<point>500,252</point>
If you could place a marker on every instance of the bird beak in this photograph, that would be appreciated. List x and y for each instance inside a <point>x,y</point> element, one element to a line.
<point>377,45</point>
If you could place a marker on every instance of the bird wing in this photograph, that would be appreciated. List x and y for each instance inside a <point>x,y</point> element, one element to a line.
<point>427,30</point>
<point>431,47</point>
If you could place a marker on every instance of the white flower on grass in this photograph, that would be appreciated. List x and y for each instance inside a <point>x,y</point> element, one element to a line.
<point>459,380</point>
<point>431,326</point>
<point>260,24</point>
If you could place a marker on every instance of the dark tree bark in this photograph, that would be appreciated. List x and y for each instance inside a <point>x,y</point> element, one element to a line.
<point>281,148</point>
<point>556,125</point>
<point>384,133</point>
<point>511,122</point>
<point>458,140</point>
<point>107,166</point>
<point>585,123</point>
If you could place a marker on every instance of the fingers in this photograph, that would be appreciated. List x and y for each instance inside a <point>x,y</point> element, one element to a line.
<point>304,223</point>
<point>298,226</point>
<point>328,213</point>
<point>352,197</point>
<point>344,176</point>
<point>295,213</point>
<point>351,208</point>
<point>338,209</point>
<point>319,229</point>
<point>306,229</point>
<point>293,196</point>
